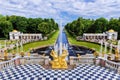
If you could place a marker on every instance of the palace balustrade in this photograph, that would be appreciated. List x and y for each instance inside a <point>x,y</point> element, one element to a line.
<point>24,60</point>
<point>81,60</point>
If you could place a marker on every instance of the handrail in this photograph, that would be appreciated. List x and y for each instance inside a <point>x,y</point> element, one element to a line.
<point>24,60</point>
<point>81,60</point>
<point>109,64</point>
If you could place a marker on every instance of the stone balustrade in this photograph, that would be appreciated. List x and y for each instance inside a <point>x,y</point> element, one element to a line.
<point>97,61</point>
<point>109,64</point>
<point>8,64</point>
<point>24,60</point>
<point>112,65</point>
<point>81,60</point>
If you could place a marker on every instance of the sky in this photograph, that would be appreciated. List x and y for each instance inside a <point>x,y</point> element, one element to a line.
<point>63,11</point>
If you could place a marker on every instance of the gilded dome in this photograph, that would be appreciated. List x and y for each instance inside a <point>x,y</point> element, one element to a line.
<point>14,31</point>
<point>111,30</point>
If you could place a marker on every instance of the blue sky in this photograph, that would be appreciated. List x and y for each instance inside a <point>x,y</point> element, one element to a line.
<point>65,10</point>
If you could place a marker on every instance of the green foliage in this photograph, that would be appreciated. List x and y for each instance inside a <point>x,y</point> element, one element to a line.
<point>100,25</point>
<point>1,16</point>
<point>5,28</point>
<point>81,25</point>
<point>115,42</point>
<point>26,25</point>
<point>44,28</point>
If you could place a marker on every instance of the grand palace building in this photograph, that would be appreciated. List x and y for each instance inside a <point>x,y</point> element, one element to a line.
<point>108,35</point>
<point>16,35</point>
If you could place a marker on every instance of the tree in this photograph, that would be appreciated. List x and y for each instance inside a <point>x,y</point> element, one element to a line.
<point>5,28</point>
<point>22,26</point>
<point>44,28</point>
<point>101,25</point>
<point>115,24</point>
<point>19,23</point>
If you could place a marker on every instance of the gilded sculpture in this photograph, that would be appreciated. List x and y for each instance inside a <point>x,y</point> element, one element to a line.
<point>59,62</point>
<point>5,55</point>
<point>116,54</point>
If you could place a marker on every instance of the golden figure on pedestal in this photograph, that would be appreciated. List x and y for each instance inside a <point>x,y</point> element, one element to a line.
<point>22,54</point>
<point>96,54</point>
<point>59,62</point>
<point>116,54</point>
<point>55,62</point>
<point>62,61</point>
<point>5,55</point>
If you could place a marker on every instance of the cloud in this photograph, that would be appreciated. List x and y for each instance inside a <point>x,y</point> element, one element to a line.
<point>65,10</point>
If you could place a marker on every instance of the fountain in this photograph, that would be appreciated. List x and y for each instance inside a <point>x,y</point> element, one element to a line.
<point>118,46</point>
<point>111,45</point>
<point>62,43</point>
<point>105,50</point>
<point>59,60</point>
<point>56,48</point>
<point>21,44</point>
<point>101,42</point>
<point>17,47</point>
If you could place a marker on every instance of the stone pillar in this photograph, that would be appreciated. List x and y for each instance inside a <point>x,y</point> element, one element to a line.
<point>47,60</point>
<point>71,60</point>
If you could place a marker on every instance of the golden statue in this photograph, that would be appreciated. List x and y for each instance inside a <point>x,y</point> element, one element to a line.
<point>62,61</point>
<point>28,54</point>
<point>55,62</point>
<point>59,62</point>
<point>13,53</point>
<point>109,56</point>
<point>96,54</point>
<point>116,54</point>
<point>22,54</point>
<point>5,55</point>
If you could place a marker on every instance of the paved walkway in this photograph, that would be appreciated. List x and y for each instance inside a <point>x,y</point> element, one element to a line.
<point>37,72</point>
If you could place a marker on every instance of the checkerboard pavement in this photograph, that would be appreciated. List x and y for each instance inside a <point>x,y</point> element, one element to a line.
<point>37,72</point>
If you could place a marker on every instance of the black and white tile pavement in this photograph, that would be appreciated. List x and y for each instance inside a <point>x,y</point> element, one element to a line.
<point>37,72</point>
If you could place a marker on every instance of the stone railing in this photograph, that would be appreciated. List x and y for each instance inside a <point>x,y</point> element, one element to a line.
<point>81,60</point>
<point>112,65</point>
<point>35,60</point>
<point>97,61</point>
<point>109,64</point>
<point>24,60</point>
<point>8,64</point>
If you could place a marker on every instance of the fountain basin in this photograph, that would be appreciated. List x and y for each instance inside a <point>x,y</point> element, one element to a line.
<point>73,50</point>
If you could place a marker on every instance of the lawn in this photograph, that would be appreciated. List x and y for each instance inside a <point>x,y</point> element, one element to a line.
<point>48,42</point>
